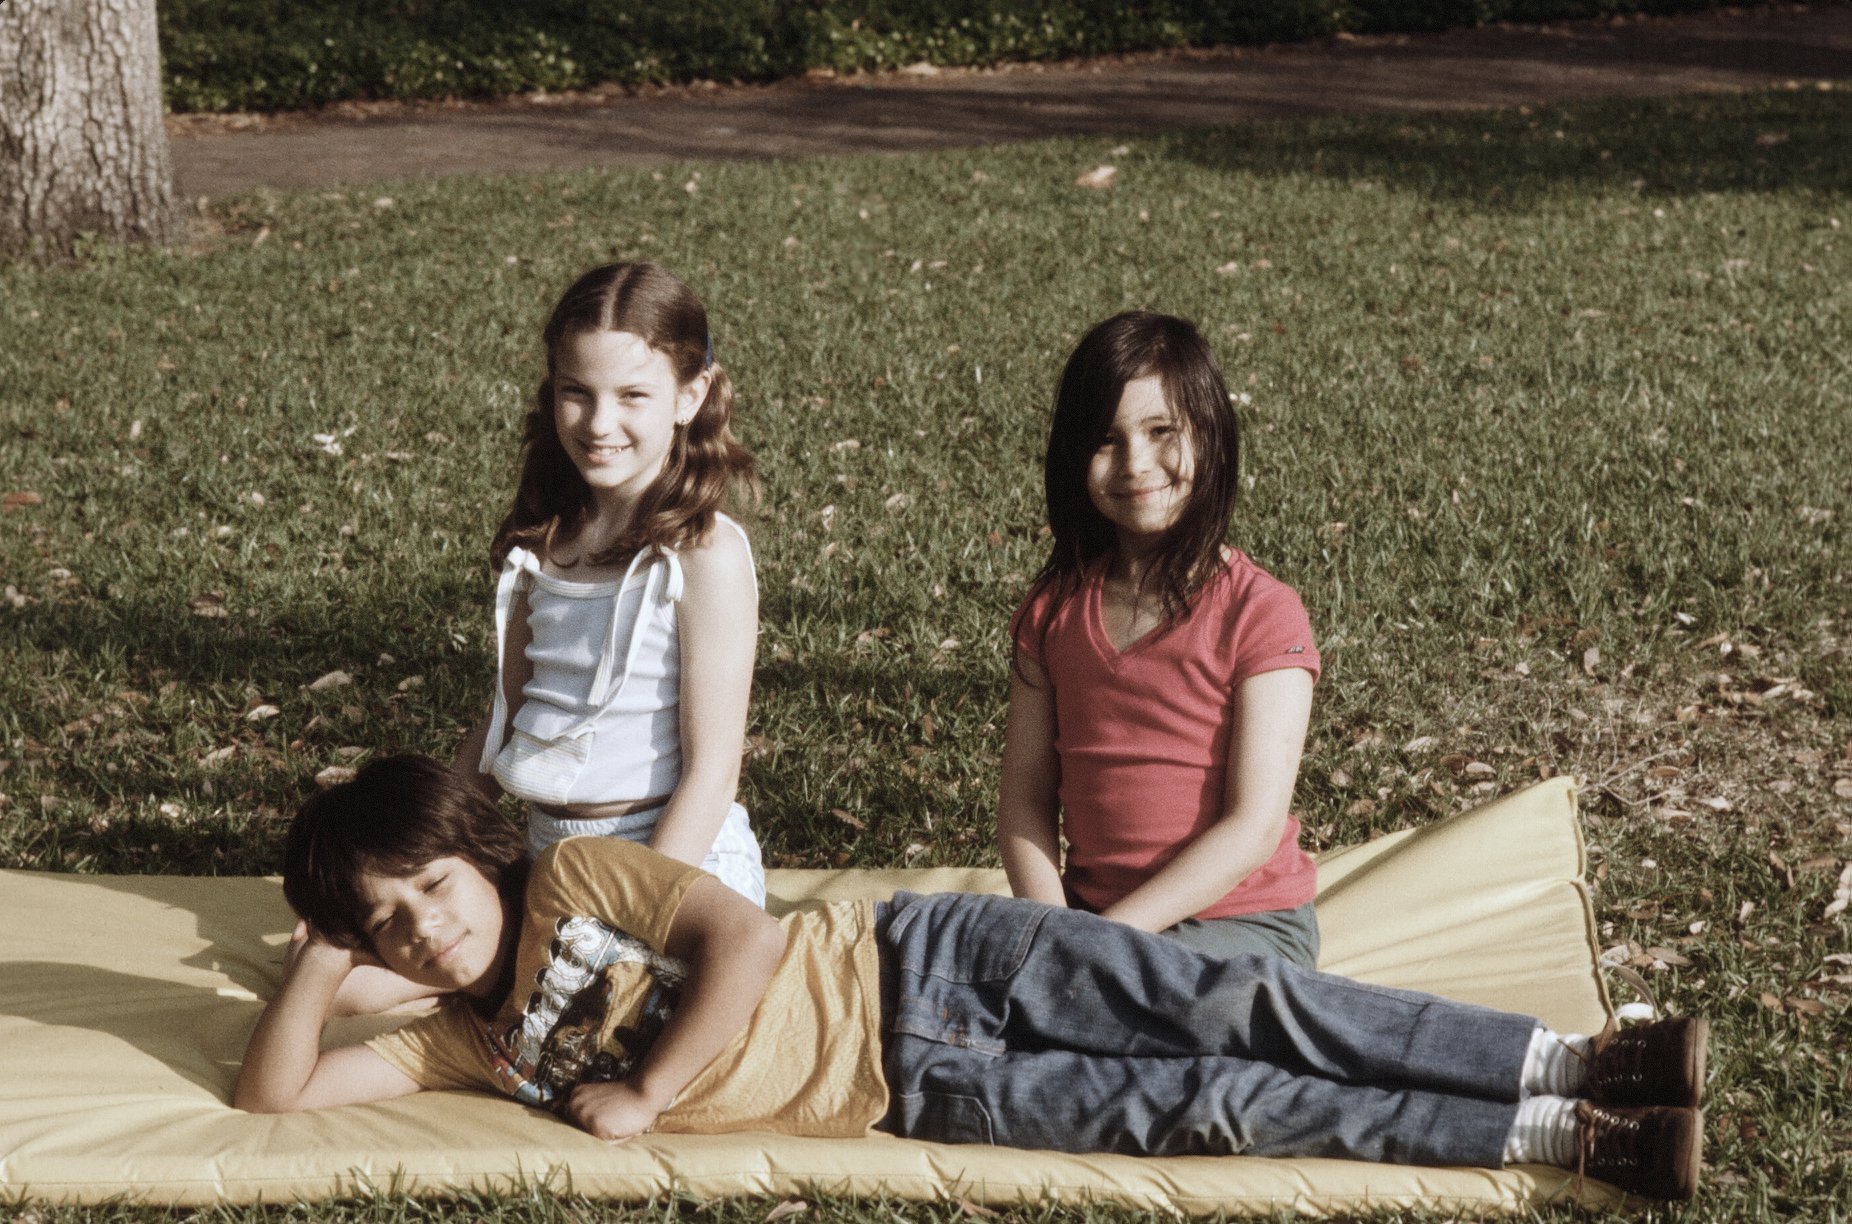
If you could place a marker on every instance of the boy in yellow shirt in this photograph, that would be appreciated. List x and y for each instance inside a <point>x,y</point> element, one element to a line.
<point>630,993</point>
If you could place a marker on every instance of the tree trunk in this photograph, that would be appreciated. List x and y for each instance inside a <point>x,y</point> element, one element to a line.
<point>82,146</point>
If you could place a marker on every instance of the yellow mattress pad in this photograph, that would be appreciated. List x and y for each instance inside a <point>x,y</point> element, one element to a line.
<point>125,1003</point>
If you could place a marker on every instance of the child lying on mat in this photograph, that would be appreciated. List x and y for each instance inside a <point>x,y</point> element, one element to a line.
<point>632,993</point>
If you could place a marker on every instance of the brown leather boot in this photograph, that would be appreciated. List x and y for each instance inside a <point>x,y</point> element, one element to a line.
<point>1654,1150</point>
<point>1661,1063</point>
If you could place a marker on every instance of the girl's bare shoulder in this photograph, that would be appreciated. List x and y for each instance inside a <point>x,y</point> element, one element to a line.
<point>720,555</point>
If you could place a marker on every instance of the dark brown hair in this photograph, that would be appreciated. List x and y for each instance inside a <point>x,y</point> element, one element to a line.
<point>677,510</point>
<point>398,814</point>
<point>1138,344</point>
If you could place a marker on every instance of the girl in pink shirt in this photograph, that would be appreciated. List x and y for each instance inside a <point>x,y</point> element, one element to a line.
<point>1162,681</point>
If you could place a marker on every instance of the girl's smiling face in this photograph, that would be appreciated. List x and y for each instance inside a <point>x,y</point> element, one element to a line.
<point>616,407</point>
<point>1141,475</point>
<point>443,925</point>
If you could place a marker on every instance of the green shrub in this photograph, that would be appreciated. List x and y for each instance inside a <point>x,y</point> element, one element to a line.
<point>266,55</point>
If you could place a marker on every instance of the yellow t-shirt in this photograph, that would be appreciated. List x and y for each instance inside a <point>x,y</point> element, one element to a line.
<point>592,989</point>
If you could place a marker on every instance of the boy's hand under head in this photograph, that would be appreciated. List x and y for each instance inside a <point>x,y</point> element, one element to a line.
<point>304,935</point>
<point>310,945</point>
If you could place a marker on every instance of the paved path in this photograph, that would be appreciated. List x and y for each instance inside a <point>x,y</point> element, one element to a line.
<point>1497,66</point>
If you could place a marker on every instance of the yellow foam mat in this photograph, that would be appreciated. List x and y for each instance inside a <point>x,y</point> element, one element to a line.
<point>125,1002</point>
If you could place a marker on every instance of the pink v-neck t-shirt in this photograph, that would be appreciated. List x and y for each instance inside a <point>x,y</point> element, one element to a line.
<point>1142,733</point>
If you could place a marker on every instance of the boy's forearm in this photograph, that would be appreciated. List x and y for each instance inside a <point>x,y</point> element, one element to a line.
<point>286,1044</point>
<point>727,979</point>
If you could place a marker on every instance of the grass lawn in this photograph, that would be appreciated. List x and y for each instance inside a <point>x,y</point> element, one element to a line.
<point>1548,422</point>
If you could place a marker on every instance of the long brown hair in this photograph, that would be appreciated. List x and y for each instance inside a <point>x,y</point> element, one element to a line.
<point>1128,346</point>
<point>678,508</point>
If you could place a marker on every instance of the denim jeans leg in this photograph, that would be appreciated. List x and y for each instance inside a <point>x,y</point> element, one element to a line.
<point>1185,1106</point>
<point>996,976</point>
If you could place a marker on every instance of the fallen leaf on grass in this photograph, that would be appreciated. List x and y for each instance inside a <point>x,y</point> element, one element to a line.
<point>332,680</point>
<point>80,728</point>
<point>849,818</point>
<point>1787,873</point>
<point>334,775</point>
<point>975,1209</point>
<point>262,712</point>
<point>1098,178</point>
<point>218,755</point>
<point>785,1210</point>
<point>20,500</point>
<point>1842,896</point>
<point>209,604</point>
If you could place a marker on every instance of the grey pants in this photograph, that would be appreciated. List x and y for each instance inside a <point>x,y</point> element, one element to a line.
<point>1025,1025</point>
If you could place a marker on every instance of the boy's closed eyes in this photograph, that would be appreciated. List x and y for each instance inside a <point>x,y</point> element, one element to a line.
<point>442,926</point>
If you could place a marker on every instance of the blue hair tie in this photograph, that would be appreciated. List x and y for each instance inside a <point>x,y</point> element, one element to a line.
<point>710,352</point>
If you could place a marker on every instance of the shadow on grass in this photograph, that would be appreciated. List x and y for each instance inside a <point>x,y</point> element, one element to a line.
<point>171,690</point>
<point>1760,142</point>
<point>270,648</point>
<point>870,757</point>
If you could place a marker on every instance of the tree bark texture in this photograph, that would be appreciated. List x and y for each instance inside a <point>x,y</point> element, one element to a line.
<point>83,149</point>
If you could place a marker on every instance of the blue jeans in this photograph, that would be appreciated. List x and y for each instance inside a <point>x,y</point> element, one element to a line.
<point>1020,1024</point>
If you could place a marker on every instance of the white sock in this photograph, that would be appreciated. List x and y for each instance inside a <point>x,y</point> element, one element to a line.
<point>1543,1132</point>
<point>1556,1064</point>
